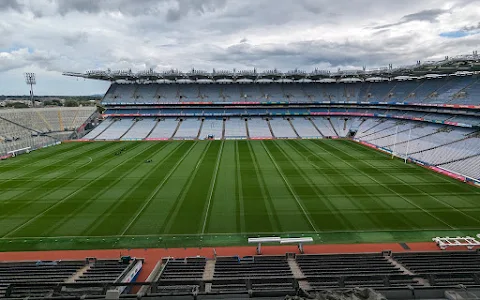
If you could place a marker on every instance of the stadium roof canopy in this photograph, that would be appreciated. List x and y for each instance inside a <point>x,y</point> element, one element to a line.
<point>462,65</point>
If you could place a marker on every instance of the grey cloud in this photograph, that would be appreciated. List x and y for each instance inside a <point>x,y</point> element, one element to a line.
<point>76,38</point>
<point>83,6</point>
<point>10,4</point>
<point>183,7</point>
<point>429,15</point>
<point>471,28</point>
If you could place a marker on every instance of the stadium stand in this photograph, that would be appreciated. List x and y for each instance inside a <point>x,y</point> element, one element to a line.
<point>213,128</point>
<point>305,128</point>
<point>258,128</point>
<point>42,278</point>
<point>429,118</point>
<point>282,128</point>
<point>235,128</point>
<point>188,129</point>
<point>140,129</point>
<point>116,130</point>
<point>39,127</point>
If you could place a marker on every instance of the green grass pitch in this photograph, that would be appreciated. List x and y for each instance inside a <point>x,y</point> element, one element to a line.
<point>212,193</point>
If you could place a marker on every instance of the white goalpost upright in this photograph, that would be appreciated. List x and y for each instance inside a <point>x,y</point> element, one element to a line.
<point>408,144</point>
<point>395,142</point>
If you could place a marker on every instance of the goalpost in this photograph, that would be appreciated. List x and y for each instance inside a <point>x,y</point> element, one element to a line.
<point>14,152</point>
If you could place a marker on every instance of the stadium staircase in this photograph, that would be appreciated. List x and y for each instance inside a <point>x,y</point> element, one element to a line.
<point>293,128</point>
<point>246,129</point>
<point>129,128</point>
<point>74,119</point>
<point>106,128</point>
<point>411,94</point>
<point>176,129</point>
<point>60,121</point>
<point>463,90</point>
<point>78,274</point>
<point>333,127</point>
<point>316,128</point>
<point>200,129</point>
<point>154,126</point>
<point>270,128</point>
<point>45,120</point>
<point>390,92</point>
<point>434,93</point>
<point>373,127</point>
<point>298,274</point>
<point>223,128</point>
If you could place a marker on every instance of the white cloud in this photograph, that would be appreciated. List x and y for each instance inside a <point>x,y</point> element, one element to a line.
<point>51,36</point>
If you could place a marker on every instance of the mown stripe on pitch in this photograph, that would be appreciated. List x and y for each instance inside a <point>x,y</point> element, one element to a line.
<point>78,218</point>
<point>272,214</point>
<point>153,212</point>
<point>240,208</point>
<point>374,172</point>
<point>255,210</point>
<point>290,217</point>
<point>39,199</point>
<point>377,201</point>
<point>212,189</point>
<point>38,155</point>
<point>140,208</point>
<point>460,215</point>
<point>43,219</point>
<point>50,164</point>
<point>178,210</point>
<point>189,216</point>
<point>125,207</point>
<point>430,222</point>
<point>13,205</point>
<point>313,198</point>
<point>297,187</point>
<point>300,149</point>
<point>224,214</point>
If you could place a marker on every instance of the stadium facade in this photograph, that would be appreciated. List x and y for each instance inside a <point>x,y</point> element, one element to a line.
<point>428,112</point>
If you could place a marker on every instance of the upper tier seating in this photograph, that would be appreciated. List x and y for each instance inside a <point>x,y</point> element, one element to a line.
<point>458,90</point>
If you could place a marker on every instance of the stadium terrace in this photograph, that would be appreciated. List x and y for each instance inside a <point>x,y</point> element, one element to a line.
<point>227,168</point>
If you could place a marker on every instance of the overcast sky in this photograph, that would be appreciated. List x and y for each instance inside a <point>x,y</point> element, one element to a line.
<point>51,36</point>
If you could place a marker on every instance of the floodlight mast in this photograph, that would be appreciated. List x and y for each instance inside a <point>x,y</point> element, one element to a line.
<point>31,80</point>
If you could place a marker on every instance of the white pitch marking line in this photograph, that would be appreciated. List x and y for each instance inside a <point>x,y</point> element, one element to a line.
<point>157,189</point>
<point>212,187</point>
<point>401,196</point>
<point>289,187</point>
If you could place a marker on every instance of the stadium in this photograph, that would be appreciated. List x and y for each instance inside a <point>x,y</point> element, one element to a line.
<point>238,184</point>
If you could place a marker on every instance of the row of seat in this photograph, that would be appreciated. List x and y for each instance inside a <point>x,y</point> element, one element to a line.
<point>459,90</point>
<point>374,270</point>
